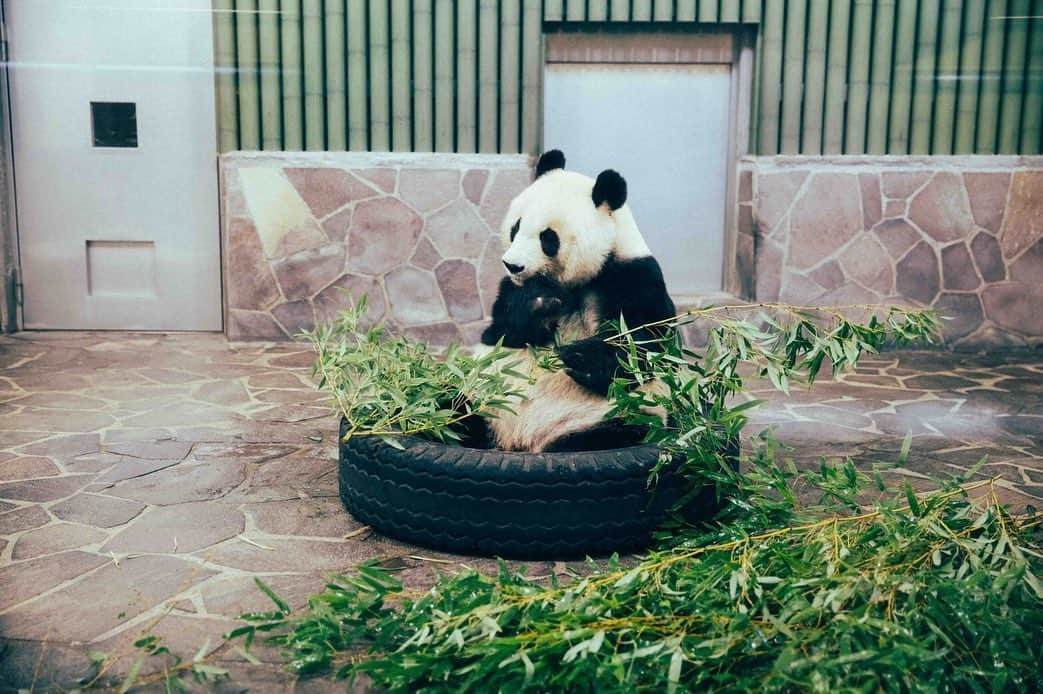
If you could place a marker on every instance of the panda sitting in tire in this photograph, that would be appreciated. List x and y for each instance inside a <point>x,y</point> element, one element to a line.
<point>575,261</point>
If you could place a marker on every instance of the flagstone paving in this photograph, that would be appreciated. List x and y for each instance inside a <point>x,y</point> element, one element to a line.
<point>146,479</point>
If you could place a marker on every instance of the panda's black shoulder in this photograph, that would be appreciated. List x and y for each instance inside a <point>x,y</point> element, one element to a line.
<point>634,287</point>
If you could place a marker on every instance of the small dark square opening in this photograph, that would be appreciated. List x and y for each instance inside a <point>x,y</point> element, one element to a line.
<point>114,124</point>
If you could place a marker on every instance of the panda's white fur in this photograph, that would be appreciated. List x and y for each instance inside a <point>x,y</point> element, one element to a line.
<point>561,200</point>
<point>554,404</point>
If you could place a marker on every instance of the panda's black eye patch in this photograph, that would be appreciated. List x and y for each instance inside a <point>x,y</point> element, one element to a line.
<point>550,242</point>
<point>514,230</point>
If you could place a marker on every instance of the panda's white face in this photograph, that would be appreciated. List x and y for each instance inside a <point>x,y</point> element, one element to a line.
<point>554,228</point>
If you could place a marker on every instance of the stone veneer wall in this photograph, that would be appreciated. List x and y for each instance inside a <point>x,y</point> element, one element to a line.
<point>414,232</point>
<point>961,234</point>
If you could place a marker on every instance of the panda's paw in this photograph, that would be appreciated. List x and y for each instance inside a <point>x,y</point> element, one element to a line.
<point>592,363</point>
<point>547,306</point>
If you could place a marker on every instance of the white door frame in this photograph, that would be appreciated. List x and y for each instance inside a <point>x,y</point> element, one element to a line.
<point>10,263</point>
<point>642,44</point>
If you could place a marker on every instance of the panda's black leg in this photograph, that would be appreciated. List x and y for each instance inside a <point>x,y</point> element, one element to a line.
<point>592,363</point>
<point>474,432</point>
<point>612,433</point>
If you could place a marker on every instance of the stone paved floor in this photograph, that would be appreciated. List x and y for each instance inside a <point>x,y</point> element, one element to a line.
<point>146,479</point>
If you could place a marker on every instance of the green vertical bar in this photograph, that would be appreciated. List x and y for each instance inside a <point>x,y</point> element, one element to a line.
<point>379,89</point>
<point>292,95</point>
<point>663,11</point>
<point>642,10</point>
<point>970,64</point>
<point>574,10</point>
<point>487,77</point>
<point>771,79</point>
<point>992,68</point>
<point>314,112</point>
<point>224,60</point>
<point>923,79</point>
<point>836,79</point>
<point>423,94</point>
<point>686,10</point>
<point>902,77</point>
<point>466,89</point>
<point>792,76</point>
<point>554,10</point>
<point>751,10</point>
<point>249,98</point>
<point>336,77</point>
<point>510,36</point>
<point>1014,76</point>
<point>401,96</point>
<point>532,69</point>
<point>620,10</point>
<point>271,104</point>
<point>729,11</point>
<point>1032,108</point>
<point>815,78</point>
<point>598,11</point>
<point>708,10</point>
<point>358,79</point>
<point>443,57</point>
<point>858,77</point>
<point>880,78</point>
<point>755,96</point>
<point>947,72</point>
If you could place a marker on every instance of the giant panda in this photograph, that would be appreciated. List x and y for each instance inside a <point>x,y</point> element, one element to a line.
<point>575,260</point>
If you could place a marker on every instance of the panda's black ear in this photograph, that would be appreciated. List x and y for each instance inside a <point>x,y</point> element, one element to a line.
<point>550,160</point>
<point>610,189</point>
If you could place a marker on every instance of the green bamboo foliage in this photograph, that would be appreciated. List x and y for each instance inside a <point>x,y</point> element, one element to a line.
<point>831,76</point>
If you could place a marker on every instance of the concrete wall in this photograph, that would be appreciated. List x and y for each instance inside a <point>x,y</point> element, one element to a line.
<point>414,232</point>
<point>961,234</point>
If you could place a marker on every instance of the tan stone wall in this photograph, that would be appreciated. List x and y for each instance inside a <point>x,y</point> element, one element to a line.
<point>302,233</point>
<point>961,234</point>
<point>415,232</point>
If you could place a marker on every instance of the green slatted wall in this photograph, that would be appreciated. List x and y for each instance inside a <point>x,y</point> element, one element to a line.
<point>832,77</point>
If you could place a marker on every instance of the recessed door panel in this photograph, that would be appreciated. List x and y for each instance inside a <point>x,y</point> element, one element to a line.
<point>666,129</point>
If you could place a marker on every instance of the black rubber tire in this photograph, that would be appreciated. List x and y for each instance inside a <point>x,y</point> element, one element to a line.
<point>498,503</point>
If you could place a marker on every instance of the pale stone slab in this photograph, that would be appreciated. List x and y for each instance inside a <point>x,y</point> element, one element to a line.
<point>97,510</point>
<point>283,221</point>
<point>27,579</point>
<point>178,529</point>
<point>55,538</point>
<point>103,600</point>
<point>183,483</point>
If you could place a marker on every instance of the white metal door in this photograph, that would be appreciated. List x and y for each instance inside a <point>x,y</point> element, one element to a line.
<point>666,129</point>
<point>115,163</point>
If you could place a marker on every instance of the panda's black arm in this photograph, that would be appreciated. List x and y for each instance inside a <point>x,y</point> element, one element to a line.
<point>525,315</point>
<point>633,289</point>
